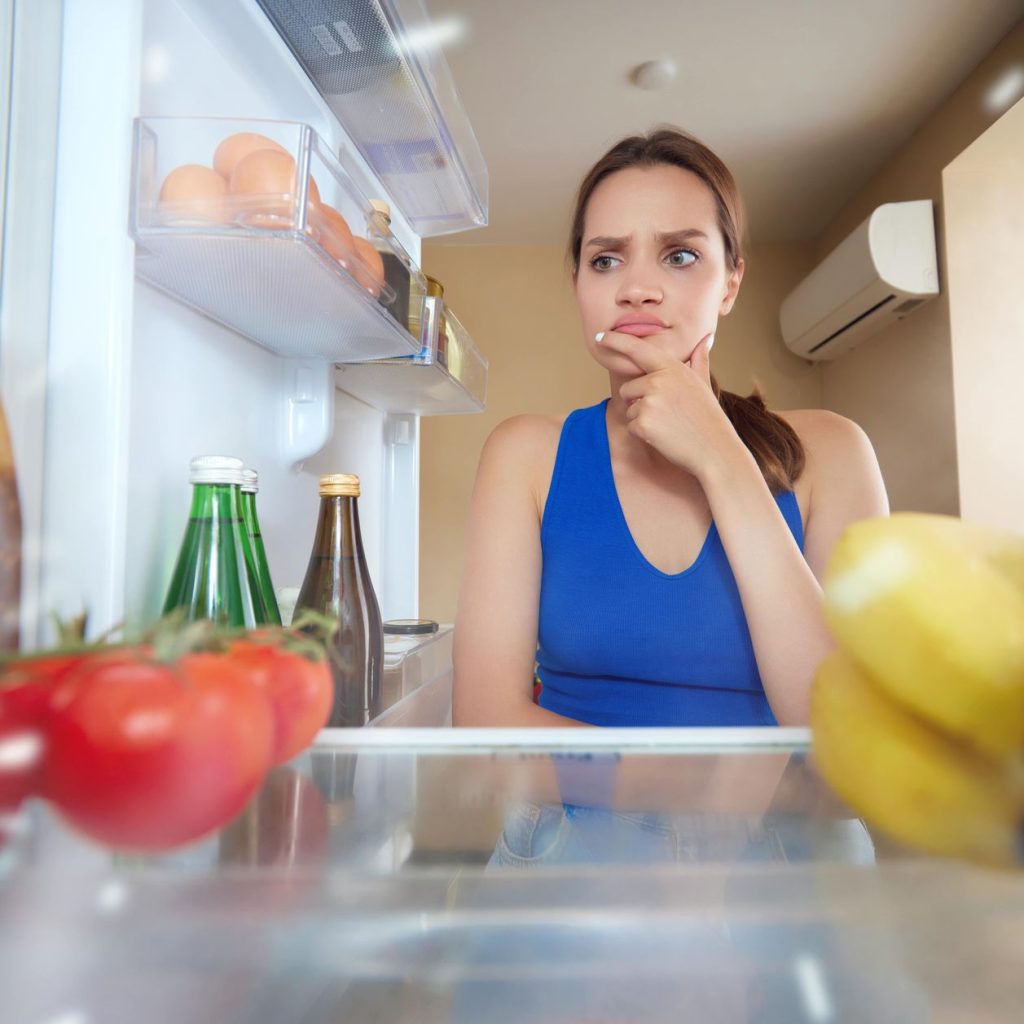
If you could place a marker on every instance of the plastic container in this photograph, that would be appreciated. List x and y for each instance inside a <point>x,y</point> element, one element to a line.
<point>264,253</point>
<point>429,706</point>
<point>447,376</point>
<point>412,663</point>
<point>390,87</point>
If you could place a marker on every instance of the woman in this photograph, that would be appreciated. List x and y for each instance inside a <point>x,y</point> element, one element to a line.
<point>659,555</point>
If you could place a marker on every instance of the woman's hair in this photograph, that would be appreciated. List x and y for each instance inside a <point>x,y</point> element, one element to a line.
<point>773,442</point>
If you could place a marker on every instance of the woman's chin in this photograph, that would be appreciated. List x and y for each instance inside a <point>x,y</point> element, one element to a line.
<point>623,367</point>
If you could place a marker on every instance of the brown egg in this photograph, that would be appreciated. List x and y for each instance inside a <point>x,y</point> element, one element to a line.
<point>264,182</point>
<point>227,155</point>
<point>370,274</point>
<point>333,232</point>
<point>193,194</point>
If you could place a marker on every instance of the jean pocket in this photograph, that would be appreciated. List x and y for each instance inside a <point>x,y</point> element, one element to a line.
<point>533,834</point>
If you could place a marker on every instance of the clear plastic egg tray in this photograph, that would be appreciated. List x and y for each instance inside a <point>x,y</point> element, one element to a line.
<point>268,262</point>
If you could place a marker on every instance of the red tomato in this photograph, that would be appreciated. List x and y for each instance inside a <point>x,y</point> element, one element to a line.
<point>26,686</point>
<point>22,741</point>
<point>300,690</point>
<point>147,756</point>
<point>44,667</point>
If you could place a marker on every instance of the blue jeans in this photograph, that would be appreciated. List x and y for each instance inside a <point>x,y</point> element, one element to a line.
<point>552,834</point>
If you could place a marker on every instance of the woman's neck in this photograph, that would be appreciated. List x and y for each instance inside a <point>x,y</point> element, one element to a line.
<point>638,455</point>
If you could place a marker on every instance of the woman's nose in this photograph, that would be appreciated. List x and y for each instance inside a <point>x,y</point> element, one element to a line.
<point>638,285</point>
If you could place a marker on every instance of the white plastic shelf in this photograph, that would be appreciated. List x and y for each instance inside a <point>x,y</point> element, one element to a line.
<point>447,376</point>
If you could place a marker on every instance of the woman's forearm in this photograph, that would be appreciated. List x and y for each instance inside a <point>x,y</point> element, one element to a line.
<point>781,598</point>
<point>521,715</point>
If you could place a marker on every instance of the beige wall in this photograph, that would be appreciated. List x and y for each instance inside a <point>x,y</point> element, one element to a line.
<point>898,385</point>
<point>517,303</point>
<point>983,192</point>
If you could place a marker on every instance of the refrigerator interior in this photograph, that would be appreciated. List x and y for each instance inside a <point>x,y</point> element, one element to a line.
<point>138,383</point>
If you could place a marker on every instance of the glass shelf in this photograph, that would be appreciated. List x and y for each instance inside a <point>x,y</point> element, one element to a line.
<point>447,376</point>
<point>264,252</point>
<point>613,877</point>
<point>392,91</point>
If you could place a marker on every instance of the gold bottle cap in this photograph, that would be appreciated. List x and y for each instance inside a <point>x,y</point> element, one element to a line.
<point>434,287</point>
<point>339,485</point>
<point>379,206</point>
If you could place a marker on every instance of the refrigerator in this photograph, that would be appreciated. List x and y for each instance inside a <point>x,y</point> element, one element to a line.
<point>132,343</point>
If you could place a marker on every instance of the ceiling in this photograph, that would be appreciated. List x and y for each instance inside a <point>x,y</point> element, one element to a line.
<point>803,99</point>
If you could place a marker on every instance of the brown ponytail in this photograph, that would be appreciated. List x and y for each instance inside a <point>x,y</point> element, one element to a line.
<point>773,442</point>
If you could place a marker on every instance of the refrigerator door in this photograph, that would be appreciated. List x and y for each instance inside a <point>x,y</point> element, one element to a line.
<point>137,382</point>
<point>30,62</point>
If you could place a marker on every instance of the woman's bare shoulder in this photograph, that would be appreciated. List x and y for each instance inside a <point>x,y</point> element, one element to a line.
<point>526,446</point>
<point>836,449</point>
<point>521,442</point>
<point>527,432</point>
<point>821,430</point>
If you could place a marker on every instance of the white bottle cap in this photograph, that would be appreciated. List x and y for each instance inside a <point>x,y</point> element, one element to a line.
<point>215,469</point>
<point>250,481</point>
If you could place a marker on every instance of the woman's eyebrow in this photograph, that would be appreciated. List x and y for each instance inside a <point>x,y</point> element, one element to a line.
<point>673,237</point>
<point>607,242</point>
<point>664,238</point>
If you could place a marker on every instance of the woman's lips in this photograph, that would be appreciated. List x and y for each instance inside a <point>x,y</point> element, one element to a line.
<point>640,330</point>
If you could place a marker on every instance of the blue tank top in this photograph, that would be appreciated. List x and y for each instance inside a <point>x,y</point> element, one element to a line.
<point>620,642</point>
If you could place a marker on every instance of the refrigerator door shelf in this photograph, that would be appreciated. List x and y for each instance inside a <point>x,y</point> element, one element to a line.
<point>447,376</point>
<point>380,68</point>
<point>271,266</point>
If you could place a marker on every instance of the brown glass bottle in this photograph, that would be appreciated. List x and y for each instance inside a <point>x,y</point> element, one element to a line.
<point>338,584</point>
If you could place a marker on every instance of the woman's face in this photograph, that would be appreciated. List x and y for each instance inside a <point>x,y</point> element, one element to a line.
<point>653,263</point>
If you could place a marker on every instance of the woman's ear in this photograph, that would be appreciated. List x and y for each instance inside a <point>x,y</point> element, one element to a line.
<point>732,288</point>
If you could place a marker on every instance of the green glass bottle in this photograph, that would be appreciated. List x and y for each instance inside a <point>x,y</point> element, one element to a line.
<point>210,579</point>
<point>267,612</point>
<point>338,585</point>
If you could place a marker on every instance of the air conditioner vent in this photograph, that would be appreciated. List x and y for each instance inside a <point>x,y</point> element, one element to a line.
<point>905,307</point>
<point>878,274</point>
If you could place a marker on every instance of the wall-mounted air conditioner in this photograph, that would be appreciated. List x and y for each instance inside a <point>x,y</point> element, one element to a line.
<point>881,272</point>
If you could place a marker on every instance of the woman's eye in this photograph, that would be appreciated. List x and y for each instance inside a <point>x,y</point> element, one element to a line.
<point>603,262</point>
<point>682,257</point>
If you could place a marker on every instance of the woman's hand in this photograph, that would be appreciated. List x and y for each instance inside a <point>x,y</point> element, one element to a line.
<point>672,406</point>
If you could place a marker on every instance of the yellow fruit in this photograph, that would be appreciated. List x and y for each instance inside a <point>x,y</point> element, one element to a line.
<point>912,782</point>
<point>933,610</point>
